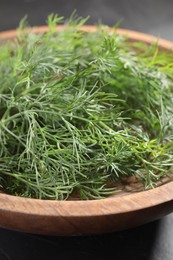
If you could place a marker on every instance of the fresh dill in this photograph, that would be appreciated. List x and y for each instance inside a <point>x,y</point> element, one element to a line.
<point>81,110</point>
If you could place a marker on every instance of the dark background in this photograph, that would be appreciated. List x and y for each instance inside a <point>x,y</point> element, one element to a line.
<point>150,16</point>
<point>153,241</point>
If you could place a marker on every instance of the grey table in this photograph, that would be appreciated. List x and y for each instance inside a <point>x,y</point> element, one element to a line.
<point>153,241</point>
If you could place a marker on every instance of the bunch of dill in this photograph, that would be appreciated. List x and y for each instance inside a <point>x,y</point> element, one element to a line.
<point>80,110</point>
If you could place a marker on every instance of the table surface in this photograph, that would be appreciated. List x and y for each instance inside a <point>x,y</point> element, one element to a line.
<point>153,241</point>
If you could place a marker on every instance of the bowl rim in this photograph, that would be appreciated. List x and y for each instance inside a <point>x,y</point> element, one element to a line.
<point>86,208</point>
<point>133,35</point>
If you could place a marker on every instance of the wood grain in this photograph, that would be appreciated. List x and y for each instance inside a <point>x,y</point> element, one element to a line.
<point>87,217</point>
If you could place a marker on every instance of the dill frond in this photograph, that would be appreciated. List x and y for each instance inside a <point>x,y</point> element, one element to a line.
<point>79,110</point>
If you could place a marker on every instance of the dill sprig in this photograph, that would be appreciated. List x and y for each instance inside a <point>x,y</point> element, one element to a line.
<point>80,110</point>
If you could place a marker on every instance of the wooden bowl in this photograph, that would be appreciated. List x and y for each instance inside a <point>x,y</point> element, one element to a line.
<point>87,217</point>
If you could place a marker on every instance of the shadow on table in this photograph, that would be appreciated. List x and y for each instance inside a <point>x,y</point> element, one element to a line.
<point>136,244</point>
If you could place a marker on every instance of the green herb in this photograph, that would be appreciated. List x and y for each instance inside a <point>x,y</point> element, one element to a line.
<point>82,110</point>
